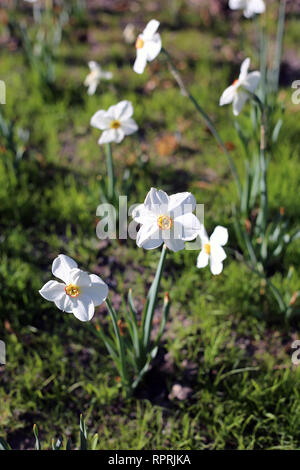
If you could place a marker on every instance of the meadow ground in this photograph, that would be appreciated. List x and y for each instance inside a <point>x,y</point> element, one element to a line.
<point>226,349</point>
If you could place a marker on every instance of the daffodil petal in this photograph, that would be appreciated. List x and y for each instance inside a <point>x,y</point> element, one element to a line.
<point>215,267</point>
<point>174,244</point>
<point>62,266</point>
<point>244,69</point>
<point>140,61</point>
<point>65,303</point>
<point>122,111</point>
<point>97,290</point>
<point>157,201</point>
<point>129,126</point>
<point>219,235</point>
<point>228,95</point>
<point>152,48</point>
<point>239,102</point>
<point>186,227</point>
<point>79,277</point>
<point>83,308</point>
<point>181,203</point>
<point>52,290</point>
<point>101,120</point>
<point>252,81</point>
<point>151,29</point>
<point>149,237</point>
<point>202,260</point>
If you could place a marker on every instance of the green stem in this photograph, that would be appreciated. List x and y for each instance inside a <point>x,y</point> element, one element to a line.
<point>279,44</point>
<point>110,173</point>
<point>120,343</point>
<point>206,118</point>
<point>151,301</point>
<point>263,166</point>
<point>262,160</point>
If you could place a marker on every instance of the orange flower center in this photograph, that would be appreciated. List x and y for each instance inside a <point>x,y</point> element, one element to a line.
<point>72,290</point>
<point>164,222</point>
<point>115,124</point>
<point>207,248</point>
<point>235,81</point>
<point>139,43</point>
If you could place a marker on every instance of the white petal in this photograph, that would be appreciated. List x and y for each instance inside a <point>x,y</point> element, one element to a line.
<point>186,227</point>
<point>174,245</point>
<point>111,135</point>
<point>238,102</point>
<point>83,307</point>
<point>157,201</point>
<point>202,259</point>
<point>97,291</point>
<point>129,126</point>
<point>152,48</point>
<point>216,268</point>
<point>237,4</point>
<point>119,135</point>
<point>140,61</point>
<point>258,6</point>
<point>79,278</point>
<point>92,87</point>
<point>52,290</point>
<point>93,65</point>
<point>150,29</point>
<point>101,120</point>
<point>142,215</point>
<point>254,6</point>
<point>252,81</point>
<point>62,266</point>
<point>122,110</point>
<point>219,235</point>
<point>181,203</point>
<point>244,69</point>
<point>228,95</point>
<point>65,303</point>
<point>217,253</point>
<point>149,236</point>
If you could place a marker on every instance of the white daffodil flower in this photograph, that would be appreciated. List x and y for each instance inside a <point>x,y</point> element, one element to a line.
<point>95,76</point>
<point>250,7</point>
<point>79,293</point>
<point>148,46</point>
<point>166,219</point>
<point>115,123</point>
<point>235,94</point>
<point>212,251</point>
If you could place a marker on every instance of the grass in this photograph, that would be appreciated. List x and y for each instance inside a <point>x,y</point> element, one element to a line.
<point>224,340</point>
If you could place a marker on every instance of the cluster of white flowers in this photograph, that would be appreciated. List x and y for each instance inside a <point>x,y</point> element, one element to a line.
<point>163,219</point>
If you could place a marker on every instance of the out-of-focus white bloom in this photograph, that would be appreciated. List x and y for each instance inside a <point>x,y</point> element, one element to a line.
<point>115,123</point>
<point>250,7</point>
<point>236,93</point>
<point>79,293</point>
<point>166,219</point>
<point>129,33</point>
<point>148,46</point>
<point>212,251</point>
<point>95,76</point>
